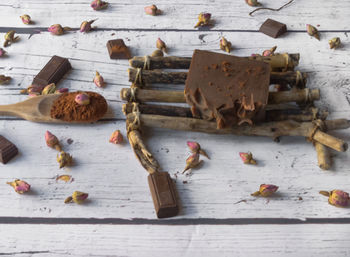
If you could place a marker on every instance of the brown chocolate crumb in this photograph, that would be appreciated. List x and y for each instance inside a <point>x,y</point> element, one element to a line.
<point>215,66</point>
<point>185,182</point>
<point>70,141</point>
<point>210,83</point>
<point>300,198</point>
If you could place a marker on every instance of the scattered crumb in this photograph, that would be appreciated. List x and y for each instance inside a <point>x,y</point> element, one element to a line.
<point>70,141</point>
<point>112,34</point>
<point>300,198</point>
<point>184,182</point>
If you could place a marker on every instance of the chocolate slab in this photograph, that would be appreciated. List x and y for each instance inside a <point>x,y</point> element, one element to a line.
<point>163,194</point>
<point>232,90</point>
<point>53,71</point>
<point>273,28</point>
<point>7,150</point>
<point>118,50</point>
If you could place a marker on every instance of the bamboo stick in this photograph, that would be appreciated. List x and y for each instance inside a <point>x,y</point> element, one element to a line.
<point>147,95</point>
<point>269,129</point>
<point>293,78</point>
<point>323,156</point>
<point>277,61</point>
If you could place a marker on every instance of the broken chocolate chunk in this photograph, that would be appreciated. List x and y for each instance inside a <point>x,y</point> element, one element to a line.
<point>7,150</point>
<point>273,28</point>
<point>235,92</point>
<point>118,50</point>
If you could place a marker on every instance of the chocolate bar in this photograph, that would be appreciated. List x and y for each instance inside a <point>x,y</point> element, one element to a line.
<point>273,28</point>
<point>118,50</point>
<point>7,150</point>
<point>53,71</point>
<point>163,194</point>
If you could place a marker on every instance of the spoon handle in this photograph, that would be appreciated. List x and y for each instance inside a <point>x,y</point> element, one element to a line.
<point>8,110</point>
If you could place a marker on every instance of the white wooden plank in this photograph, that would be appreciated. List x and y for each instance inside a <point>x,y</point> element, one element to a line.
<point>228,15</point>
<point>145,240</point>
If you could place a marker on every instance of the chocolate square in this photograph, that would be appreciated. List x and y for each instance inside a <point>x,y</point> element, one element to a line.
<point>230,89</point>
<point>7,150</point>
<point>118,50</point>
<point>273,28</point>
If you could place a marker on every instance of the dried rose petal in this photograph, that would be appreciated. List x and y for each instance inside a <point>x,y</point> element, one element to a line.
<point>312,31</point>
<point>247,158</point>
<point>116,137</point>
<point>265,190</point>
<point>98,5</point>
<point>203,19</point>
<point>65,178</point>
<point>98,80</point>
<point>19,186</point>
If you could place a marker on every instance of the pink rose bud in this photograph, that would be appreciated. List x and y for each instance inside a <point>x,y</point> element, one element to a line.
<point>10,38</point>
<point>312,31</point>
<point>192,162</point>
<point>225,45</point>
<point>56,29</point>
<point>19,186</point>
<point>49,89</point>
<point>52,141</point>
<point>86,26</point>
<point>98,80</point>
<point>269,52</point>
<point>333,43</point>
<point>98,5</point>
<point>82,99</point>
<point>77,197</point>
<point>337,198</point>
<point>265,190</point>
<point>253,2</point>
<point>152,10</point>
<point>116,137</point>
<point>247,158</point>
<point>61,90</point>
<point>64,159</point>
<point>203,19</point>
<point>196,148</point>
<point>161,45</point>
<point>2,52</point>
<point>26,19</point>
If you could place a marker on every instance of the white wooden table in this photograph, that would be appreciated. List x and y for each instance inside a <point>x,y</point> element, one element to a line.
<point>119,218</point>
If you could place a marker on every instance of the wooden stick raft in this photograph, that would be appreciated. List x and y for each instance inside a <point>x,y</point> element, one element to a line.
<point>268,129</point>
<point>294,78</point>
<point>146,95</point>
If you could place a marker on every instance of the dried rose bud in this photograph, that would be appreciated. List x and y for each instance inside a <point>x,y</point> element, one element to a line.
<point>225,45</point>
<point>192,162</point>
<point>64,159</point>
<point>35,89</point>
<point>265,190</point>
<point>26,19</point>
<point>337,198</point>
<point>65,178</point>
<point>253,2</point>
<point>49,89</point>
<point>86,26</point>
<point>82,99</point>
<point>152,10</point>
<point>312,31</point>
<point>157,53</point>
<point>269,52</point>
<point>247,158</point>
<point>20,186</point>
<point>203,19</point>
<point>77,197</point>
<point>161,45</point>
<point>98,80</point>
<point>10,38</point>
<point>61,90</point>
<point>334,42</point>
<point>57,29</point>
<point>4,79</point>
<point>2,52</point>
<point>196,148</point>
<point>52,141</point>
<point>98,5</point>
<point>116,137</point>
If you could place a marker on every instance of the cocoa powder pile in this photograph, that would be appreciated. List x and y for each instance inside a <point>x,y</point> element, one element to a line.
<point>65,108</point>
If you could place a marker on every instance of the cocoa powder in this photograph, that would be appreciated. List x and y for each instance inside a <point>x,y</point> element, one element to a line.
<point>65,108</point>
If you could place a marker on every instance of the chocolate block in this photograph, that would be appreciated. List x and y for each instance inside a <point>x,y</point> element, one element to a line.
<point>273,28</point>
<point>117,49</point>
<point>7,150</point>
<point>163,194</point>
<point>233,90</point>
<point>53,71</point>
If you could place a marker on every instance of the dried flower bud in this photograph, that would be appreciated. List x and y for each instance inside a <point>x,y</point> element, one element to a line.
<point>225,45</point>
<point>312,31</point>
<point>161,45</point>
<point>52,141</point>
<point>35,89</point>
<point>337,198</point>
<point>196,148</point>
<point>334,42</point>
<point>2,52</point>
<point>20,186</point>
<point>116,137</point>
<point>57,29</point>
<point>157,53</point>
<point>64,159</point>
<point>253,2</point>
<point>192,162</point>
<point>98,5</point>
<point>86,26</point>
<point>10,38</point>
<point>61,90</point>
<point>65,178</point>
<point>82,99</point>
<point>98,80</point>
<point>152,10</point>
<point>203,19</point>
<point>26,19</point>
<point>77,197</point>
<point>49,89</point>
<point>247,158</point>
<point>269,52</point>
<point>4,79</point>
<point>265,190</point>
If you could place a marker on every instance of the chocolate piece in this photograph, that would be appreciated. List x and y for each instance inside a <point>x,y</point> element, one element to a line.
<point>117,49</point>
<point>7,150</point>
<point>53,71</point>
<point>233,90</point>
<point>273,28</point>
<point>163,194</point>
